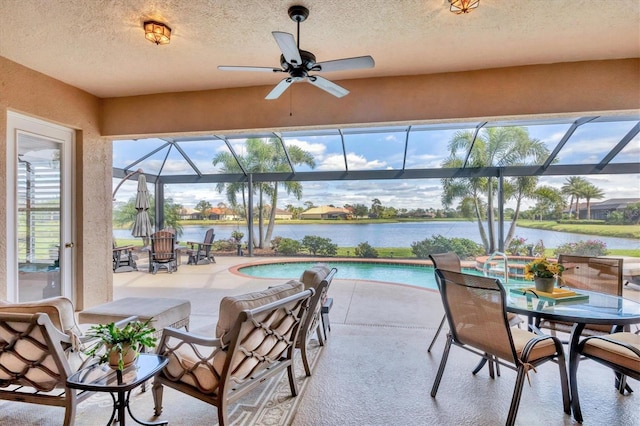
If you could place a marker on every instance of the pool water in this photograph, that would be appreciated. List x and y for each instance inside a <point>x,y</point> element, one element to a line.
<point>415,275</point>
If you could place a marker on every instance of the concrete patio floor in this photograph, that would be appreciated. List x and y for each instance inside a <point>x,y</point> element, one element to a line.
<point>375,368</point>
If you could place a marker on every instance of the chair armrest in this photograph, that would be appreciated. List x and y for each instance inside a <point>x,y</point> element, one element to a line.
<point>124,248</point>
<point>189,337</point>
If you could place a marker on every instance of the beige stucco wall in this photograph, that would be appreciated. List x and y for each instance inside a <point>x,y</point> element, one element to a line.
<point>567,88</point>
<point>30,93</point>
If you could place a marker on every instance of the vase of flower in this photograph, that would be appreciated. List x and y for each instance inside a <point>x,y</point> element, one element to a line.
<point>544,273</point>
<point>544,284</point>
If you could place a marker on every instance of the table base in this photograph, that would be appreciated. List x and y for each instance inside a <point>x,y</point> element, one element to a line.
<point>119,406</point>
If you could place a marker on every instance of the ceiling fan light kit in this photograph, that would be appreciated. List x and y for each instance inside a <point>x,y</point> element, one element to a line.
<point>300,63</point>
<point>463,6</point>
<point>157,32</point>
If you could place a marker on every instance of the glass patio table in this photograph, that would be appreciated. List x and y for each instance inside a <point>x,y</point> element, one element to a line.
<point>590,308</point>
<point>102,378</point>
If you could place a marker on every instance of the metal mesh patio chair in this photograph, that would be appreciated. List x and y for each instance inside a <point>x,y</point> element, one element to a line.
<point>599,274</point>
<point>451,262</point>
<point>475,308</point>
<point>618,351</point>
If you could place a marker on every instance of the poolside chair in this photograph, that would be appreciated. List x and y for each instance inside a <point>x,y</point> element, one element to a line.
<point>451,262</point>
<point>40,346</point>
<point>599,274</point>
<point>318,278</point>
<point>475,308</point>
<point>202,255</point>
<point>163,252</point>
<point>256,335</point>
<point>123,259</point>
<point>618,351</point>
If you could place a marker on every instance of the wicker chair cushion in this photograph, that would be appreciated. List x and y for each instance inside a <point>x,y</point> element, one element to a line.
<point>541,350</point>
<point>27,359</point>
<point>613,353</point>
<point>231,306</point>
<point>60,311</point>
<point>186,366</point>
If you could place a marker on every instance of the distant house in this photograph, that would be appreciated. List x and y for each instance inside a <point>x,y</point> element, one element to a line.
<point>601,210</point>
<point>189,214</point>
<point>283,214</point>
<point>326,212</point>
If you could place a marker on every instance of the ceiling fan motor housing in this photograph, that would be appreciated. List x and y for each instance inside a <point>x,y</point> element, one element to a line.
<point>298,13</point>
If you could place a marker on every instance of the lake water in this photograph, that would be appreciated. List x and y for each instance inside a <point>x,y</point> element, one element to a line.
<point>394,234</point>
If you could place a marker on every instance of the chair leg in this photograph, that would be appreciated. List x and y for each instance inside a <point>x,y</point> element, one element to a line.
<point>443,363</point>
<point>222,412</point>
<point>517,393</point>
<point>292,380</point>
<point>444,317</point>
<point>70,407</point>
<point>319,332</point>
<point>305,359</point>
<point>156,390</point>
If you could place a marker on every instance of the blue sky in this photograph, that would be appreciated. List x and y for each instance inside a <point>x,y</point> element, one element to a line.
<point>380,151</point>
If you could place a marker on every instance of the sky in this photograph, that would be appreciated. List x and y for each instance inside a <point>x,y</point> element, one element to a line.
<point>427,147</point>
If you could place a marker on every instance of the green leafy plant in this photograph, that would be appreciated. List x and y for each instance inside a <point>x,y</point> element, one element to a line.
<point>133,336</point>
<point>237,235</point>
<point>366,251</point>
<point>318,245</point>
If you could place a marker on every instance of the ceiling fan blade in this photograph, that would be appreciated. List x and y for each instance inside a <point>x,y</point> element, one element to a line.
<point>345,64</point>
<point>328,86</point>
<point>241,68</point>
<point>279,89</point>
<point>288,47</point>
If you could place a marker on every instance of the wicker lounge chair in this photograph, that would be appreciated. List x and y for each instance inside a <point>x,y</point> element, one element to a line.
<point>319,279</point>
<point>200,253</point>
<point>256,339</point>
<point>476,311</point>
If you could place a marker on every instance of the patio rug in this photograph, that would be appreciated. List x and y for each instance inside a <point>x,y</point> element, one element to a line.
<point>269,404</point>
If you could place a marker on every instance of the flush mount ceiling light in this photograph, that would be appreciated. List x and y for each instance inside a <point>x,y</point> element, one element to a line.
<point>157,32</point>
<point>463,6</point>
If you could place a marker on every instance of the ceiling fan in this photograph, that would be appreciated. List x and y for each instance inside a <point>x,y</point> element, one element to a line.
<point>299,63</point>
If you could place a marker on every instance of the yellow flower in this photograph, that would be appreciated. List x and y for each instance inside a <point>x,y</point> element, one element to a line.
<point>542,268</point>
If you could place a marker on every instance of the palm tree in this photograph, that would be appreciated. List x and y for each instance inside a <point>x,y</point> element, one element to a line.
<point>589,192</point>
<point>263,156</point>
<point>573,186</point>
<point>496,146</point>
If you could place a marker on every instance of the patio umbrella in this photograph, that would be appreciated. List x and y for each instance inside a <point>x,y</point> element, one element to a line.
<point>142,225</point>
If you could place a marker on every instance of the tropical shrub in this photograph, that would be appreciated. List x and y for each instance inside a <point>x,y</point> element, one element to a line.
<point>517,246</point>
<point>318,245</point>
<point>366,251</point>
<point>583,248</point>
<point>287,246</point>
<point>225,245</point>
<point>463,247</point>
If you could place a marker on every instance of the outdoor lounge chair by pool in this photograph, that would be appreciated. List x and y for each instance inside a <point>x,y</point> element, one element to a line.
<point>201,255</point>
<point>256,340</point>
<point>163,252</point>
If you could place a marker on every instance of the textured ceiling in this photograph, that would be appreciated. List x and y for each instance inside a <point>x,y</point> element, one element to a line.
<point>99,46</point>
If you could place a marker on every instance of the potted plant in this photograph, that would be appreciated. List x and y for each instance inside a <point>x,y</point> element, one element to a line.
<point>543,272</point>
<point>237,235</point>
<point>122,345</point>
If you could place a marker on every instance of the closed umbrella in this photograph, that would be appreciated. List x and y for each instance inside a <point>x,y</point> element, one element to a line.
<point>142,225</point>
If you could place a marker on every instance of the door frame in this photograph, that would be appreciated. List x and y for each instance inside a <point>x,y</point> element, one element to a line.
<point>19,123</point>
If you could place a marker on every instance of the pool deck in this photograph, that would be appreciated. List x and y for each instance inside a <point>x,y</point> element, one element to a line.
<point>376,370</point>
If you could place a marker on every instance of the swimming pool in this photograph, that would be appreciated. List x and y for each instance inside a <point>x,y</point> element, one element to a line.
<point>396,273</point>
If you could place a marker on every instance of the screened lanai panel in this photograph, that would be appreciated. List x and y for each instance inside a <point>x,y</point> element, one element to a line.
<point>325,148</point>
<point>202,152</point>
<point>375,148</point>
<point>630,153</point>
<point>592,141</point>
<point>128,152</point>
<point>428,149</point>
